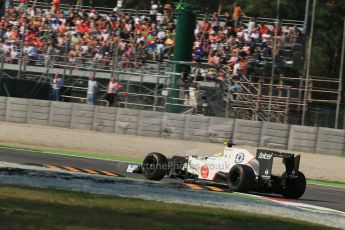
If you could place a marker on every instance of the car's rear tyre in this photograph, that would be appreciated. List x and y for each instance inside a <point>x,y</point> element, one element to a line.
<point>294,187</point>
<point>241,178</point>
<point>155,166</point>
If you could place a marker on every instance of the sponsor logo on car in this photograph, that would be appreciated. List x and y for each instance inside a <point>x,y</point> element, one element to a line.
<point>239,158</point>
<point>267,175</point>
<point>131,168</point>
<point>265,156</point>
<point>204,171</point>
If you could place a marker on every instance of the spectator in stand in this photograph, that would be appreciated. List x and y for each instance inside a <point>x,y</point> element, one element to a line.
<point>153,11</point>
<point>91,90</point>
<point>91,4</point>
<point>237,14</point>
<point>159,51</point>
<point>263,29</point>
<point>214,59</point>
<point>72,57</point>
<point>55,5</point>
<point>215,21</point>
<point>21,4</point>
<point>97,59</point>
<point>198,53</point>
<point>8,4</point>
<point>251,26</point>
<point>235,88</point>
<point>57,85</point>
<point>168,14</point>
<point>32,53</point>
<point>13,59</point>
<point>237,68</point>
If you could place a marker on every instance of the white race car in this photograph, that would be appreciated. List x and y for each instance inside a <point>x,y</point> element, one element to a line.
<point>236,168</point>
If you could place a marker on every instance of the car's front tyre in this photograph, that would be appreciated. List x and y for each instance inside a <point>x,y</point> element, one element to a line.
<point>241,178</point>
<point>155,166</point>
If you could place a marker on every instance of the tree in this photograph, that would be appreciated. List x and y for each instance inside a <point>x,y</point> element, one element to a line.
<point>328,38</point>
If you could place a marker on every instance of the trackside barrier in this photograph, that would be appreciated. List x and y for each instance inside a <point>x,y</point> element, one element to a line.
<point>173,126</point>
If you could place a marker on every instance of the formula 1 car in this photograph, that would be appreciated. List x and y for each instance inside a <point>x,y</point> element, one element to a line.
<point>236,168</point>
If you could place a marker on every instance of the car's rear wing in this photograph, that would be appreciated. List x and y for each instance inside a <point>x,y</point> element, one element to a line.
<point>265,158</point>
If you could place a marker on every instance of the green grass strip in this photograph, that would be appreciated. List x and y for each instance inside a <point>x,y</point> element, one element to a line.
<point>36,208</point>
<point>73,153</point>
<point>336,184</point>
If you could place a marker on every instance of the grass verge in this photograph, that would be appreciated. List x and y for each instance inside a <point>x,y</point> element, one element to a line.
<point>100,156</point>
<point>35,208</point>
<point>327,183</point>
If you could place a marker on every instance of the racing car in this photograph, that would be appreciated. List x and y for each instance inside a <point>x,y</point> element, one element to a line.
<point>235,168</point>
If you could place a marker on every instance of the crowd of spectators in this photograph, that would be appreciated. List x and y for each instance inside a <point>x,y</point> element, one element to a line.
<point>75,37</point>
<point>242,47</point>
<point>86,36</point>
<point>90,37</point>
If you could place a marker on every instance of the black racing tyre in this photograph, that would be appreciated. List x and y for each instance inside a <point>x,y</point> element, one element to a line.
<point>241,178</point>
<point>155,166</point>
<point>294,187</point>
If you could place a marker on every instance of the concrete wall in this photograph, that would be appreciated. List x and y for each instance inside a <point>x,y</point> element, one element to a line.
<point>220,129</point>
<point>247,132</point>
<point>60,114</point>
<point>127,121</point>
<point>39,112</point>
<point>331,141</point>
<point>150,123</point>
<point>303,138</point>
<point>196,128</point>
<point>82,116</point>
<point>3,108</point>
<point>173,126</point>
<point>274,135</point>
<point>17,110</point>
<point>104,119</point>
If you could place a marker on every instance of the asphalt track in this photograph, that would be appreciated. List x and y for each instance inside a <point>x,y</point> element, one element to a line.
<point>324,196</point>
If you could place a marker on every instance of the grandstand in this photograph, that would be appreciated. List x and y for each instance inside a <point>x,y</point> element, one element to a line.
<point>237,72</point>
